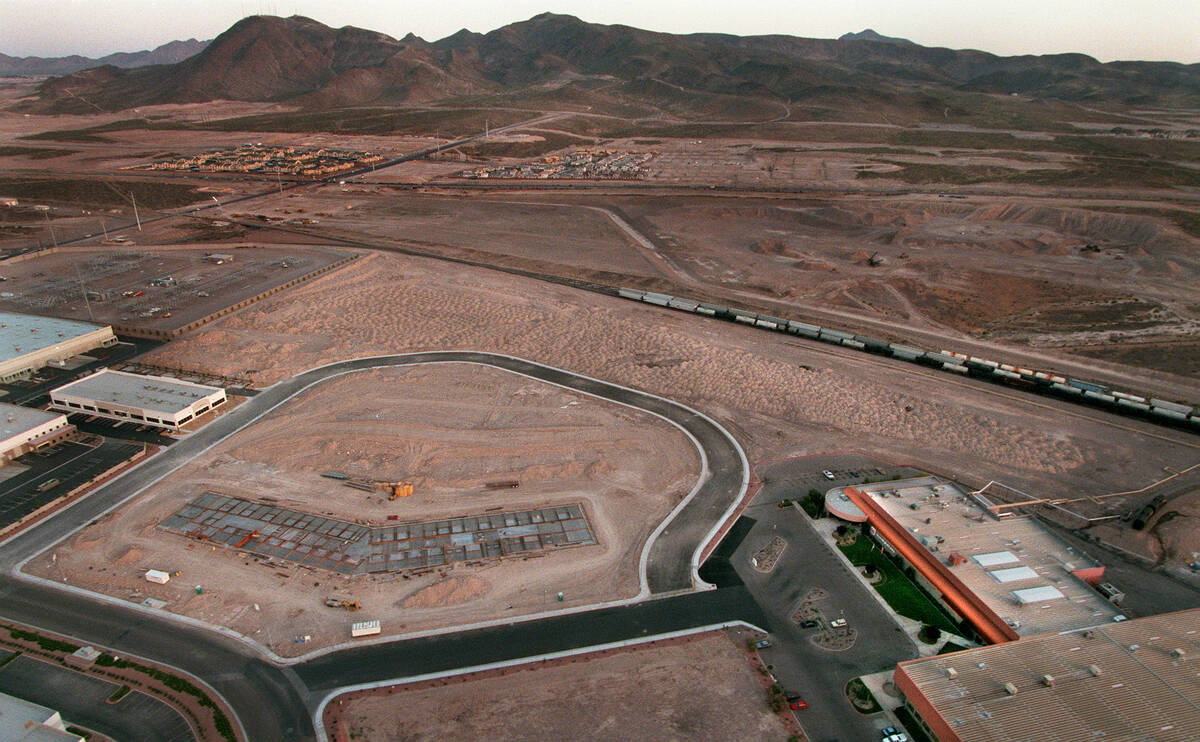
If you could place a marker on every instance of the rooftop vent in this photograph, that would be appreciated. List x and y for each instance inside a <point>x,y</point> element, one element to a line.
<point>1095,671</point>
<point>1178,653</point>
<point>1048,681</point>
<point>1010,689</point>
<point>951,673</point>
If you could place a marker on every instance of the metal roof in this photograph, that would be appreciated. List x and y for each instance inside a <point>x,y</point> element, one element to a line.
<point>1132,681</point>
<point>154,393</point>
<point>930,508</point>
<point>21,334</point>
<point>15,420</point>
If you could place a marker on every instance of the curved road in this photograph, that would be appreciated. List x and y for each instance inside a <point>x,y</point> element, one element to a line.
<point>275,701</point>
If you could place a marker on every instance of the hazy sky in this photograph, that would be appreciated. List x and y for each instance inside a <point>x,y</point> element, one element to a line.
<point>1105,29</point>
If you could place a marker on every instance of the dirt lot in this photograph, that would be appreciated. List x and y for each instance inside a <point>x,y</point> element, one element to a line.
<point>55,284</point>
<point>781,395</point>
<point>447,428</point>
<point>661,692</point>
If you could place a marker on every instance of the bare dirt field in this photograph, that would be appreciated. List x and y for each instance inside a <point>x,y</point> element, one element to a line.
<point>449,429</point>
<point>57,284</point>
<point>660,692</point>
<point>779,395</point>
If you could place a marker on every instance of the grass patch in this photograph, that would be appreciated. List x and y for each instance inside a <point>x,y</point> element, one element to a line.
<point>36,153</point>
<point>952,646</point>
<point>119,694</point>
<point>1090,172</point>
<point>66,135</point>
<point>98,192</point>
<point>861,698</point>
<point>916,732</point>
<point>902,594</point>
<point>9,658</point>
<point>49,645</point>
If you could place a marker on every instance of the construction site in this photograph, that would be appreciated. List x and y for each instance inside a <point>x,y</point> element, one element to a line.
<point>426,496</point>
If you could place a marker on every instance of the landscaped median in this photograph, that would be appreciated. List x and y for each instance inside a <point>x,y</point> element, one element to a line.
<point>207,716</point>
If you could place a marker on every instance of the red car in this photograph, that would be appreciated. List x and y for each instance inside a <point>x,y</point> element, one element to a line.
<point>796,703</point>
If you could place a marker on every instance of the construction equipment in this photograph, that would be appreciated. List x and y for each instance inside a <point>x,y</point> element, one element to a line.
<point>395,489</point>
<point>350,605</point>
<point>398,489</point>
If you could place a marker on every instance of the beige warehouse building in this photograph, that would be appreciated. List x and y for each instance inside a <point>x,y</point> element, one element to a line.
<point>150,400</point>
<point>1131,681</point>
<point>28,342</point>
<point>23,429</point>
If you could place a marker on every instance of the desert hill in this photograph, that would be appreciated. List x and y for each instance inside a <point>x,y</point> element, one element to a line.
<point>299,60</point>
<point>172,51</point>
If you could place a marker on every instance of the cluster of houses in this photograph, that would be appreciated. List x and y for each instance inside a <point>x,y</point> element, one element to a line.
<point>581,164</point>
<point>257,158</point>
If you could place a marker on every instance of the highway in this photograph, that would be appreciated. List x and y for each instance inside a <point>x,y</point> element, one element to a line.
<point>275,700</point>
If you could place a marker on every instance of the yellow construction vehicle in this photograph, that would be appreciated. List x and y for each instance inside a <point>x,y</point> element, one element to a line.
<point>398,489</point>
<point>350,605</point>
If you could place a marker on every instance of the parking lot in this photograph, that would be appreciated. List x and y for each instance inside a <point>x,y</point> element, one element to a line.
<point>83,699</point>
<point>810,592</point>
<point>52,473</point>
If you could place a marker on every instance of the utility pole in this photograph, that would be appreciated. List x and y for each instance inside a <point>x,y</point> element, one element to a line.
<point>83,291</point>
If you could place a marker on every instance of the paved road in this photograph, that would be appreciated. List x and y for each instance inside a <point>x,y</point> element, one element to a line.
<point>274,703</point>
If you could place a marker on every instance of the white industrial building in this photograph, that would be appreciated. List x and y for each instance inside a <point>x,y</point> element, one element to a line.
<point>28,342</point>
<point>151,400</point>
<point>23,721</point>
<point>23,429</point>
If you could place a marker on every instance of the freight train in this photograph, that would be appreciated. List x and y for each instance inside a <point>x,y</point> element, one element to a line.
<point>1075,390</point>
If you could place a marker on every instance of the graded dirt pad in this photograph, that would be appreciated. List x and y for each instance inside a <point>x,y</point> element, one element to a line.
<point>56,284</point>
<point>555,234</point>
<point>779,395</point>
<point>699,689</point>
<point>998,266</point>
<point>450,429</point>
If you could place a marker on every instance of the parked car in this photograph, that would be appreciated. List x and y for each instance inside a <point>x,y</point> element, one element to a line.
<point>837,623</point>
<point>828,474</point>
<point>796,703</point>
<point>763,644</point>
<point>892,734</point>
<point>809,624</point>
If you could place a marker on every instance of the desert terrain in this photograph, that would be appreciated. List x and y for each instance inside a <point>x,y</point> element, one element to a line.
<point>450,429</point>
<point>631,694</point>
<point>779,395</point>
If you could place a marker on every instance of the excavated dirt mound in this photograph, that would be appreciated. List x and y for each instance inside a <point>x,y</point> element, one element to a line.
<point>450,591</point>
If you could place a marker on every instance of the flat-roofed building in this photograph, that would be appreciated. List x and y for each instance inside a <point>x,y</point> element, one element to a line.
<point>1008,577</point>
<point>28,342</point>
<point>24,721</point>
<point>150,400</point>
<point>23,429</point>
<point>1120,682</point>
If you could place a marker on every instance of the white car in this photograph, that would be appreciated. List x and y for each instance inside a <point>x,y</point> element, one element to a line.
<point>828,474</point>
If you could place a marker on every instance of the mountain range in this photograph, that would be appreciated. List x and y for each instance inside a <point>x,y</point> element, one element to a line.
<point>302,62</point>
<point>169,53</point>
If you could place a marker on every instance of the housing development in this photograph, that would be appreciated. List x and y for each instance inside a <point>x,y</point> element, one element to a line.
<point>573,381</point>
